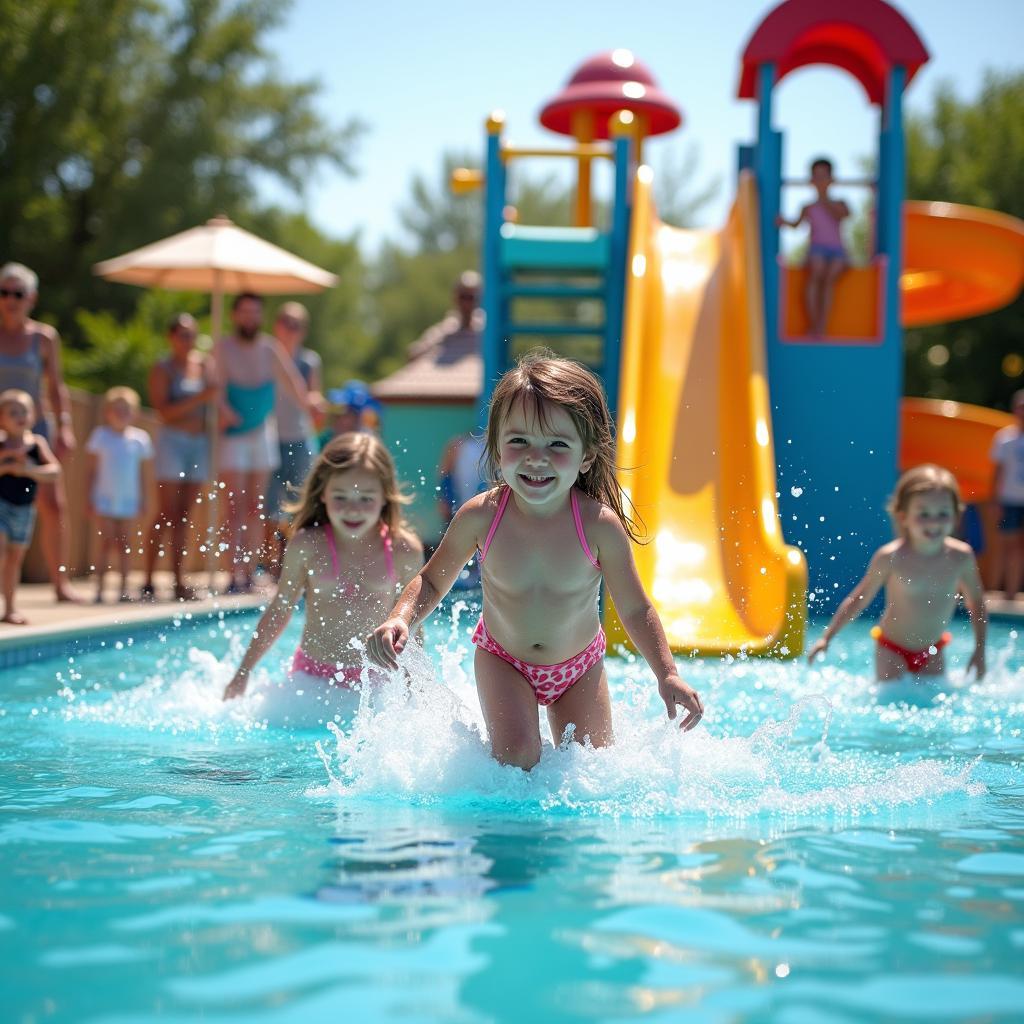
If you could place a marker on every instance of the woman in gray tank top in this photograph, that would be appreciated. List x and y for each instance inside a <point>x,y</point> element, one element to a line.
<point>30,361</point>
<point>182,389</point>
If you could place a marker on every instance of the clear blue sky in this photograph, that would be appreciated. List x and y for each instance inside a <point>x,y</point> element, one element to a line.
<point>424,76</point>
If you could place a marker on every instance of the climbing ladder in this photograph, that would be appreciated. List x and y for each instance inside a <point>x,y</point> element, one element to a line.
<point>555,268</point>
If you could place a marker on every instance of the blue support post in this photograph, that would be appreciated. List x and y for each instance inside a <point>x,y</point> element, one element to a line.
<point>768,169</point>
<point>615,274</point>
<point>493,345</point>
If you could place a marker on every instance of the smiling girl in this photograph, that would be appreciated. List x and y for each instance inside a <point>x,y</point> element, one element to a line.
<point>922,572</point>
<point>547,536</point>
<point>349,555</point>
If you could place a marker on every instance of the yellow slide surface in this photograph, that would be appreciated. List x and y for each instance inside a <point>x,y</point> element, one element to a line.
<point>695,437</point>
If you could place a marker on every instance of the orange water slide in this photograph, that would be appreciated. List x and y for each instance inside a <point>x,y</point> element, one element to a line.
<point>958,261</point>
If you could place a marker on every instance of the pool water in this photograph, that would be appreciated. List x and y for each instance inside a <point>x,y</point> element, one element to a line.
<point>809,853</point>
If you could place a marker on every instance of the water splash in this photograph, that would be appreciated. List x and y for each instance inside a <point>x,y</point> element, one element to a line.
<point>423,741</point>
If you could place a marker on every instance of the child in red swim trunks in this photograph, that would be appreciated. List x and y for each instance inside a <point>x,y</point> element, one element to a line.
<point>922,571</point>
<point>547,535</point>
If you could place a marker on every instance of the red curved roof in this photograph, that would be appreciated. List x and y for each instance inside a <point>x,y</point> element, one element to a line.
<point>864,37</point>
<point>605,84</point>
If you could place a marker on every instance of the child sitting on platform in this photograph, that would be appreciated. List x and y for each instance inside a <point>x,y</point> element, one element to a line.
<point>826,257</point>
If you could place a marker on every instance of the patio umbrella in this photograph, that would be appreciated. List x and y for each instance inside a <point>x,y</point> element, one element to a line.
<point>221,258</point>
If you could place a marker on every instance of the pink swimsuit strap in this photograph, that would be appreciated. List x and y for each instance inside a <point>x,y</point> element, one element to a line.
<point>389,556</point>
<point>576,518</point>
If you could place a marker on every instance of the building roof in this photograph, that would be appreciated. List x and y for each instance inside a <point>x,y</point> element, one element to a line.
<point>445,364</point>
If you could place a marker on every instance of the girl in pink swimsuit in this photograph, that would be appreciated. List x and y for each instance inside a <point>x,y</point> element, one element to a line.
<point>348,555</point>
<point>547,535</point>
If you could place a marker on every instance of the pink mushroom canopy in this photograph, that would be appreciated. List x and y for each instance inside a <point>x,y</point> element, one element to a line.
<point>605,84</point>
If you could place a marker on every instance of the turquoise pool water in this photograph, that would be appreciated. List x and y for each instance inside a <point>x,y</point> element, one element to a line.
<point>164,858</point>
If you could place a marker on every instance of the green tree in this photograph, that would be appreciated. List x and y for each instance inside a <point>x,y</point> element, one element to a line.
<point>970,152</point>
<point>125,121</point>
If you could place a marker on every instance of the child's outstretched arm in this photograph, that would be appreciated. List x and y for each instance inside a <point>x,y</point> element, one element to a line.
<point>290,587</point>
<point>640,619</point>
<point>427,587</point>
<point>856,601</point>
<point>783,222</point>
<point>974,597</point>
<point>48,469</point>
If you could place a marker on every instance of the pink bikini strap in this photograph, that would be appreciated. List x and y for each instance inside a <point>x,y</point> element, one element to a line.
<point>506,491</point>
<point>579,529</point>
<point>389,555</point>
<point>332,547</point>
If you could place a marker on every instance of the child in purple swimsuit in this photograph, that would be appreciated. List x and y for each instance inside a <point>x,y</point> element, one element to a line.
<point>826,257</point>
<point>349,554</point>
<point>547,535</point>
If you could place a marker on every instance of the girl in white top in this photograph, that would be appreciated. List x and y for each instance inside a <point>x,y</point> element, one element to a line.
<point>120,482</point>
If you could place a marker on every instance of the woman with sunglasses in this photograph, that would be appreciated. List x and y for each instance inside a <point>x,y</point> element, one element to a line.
<point>30,362</point>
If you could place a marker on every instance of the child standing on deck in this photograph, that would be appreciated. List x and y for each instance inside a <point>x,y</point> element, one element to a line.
<point>826,257</point>
<point>349,554</point>
<point>25,459</point>
<point>547,536</point>
<point>922,572</point>
<point>120,484</point>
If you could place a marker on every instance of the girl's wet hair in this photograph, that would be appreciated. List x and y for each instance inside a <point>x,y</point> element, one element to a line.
<point>348,451</point>
<point>544,380</point>
<point>926,479</point>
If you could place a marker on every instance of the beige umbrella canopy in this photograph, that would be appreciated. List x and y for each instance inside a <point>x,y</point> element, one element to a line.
<point>219,256</point>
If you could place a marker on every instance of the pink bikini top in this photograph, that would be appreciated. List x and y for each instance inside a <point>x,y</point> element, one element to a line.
<point>385,536</point>
<point>506,493</point>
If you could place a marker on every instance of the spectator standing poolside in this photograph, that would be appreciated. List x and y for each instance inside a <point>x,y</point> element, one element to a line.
<point>295,435</point>
<point>25,459</point>
<point>1008,456</point>
<point>182,388</point>
<point>30,362</point>
<point>253,367</point>
<point>120,482</point>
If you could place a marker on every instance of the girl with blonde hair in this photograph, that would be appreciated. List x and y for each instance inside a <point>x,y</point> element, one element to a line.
<point>348,554</point>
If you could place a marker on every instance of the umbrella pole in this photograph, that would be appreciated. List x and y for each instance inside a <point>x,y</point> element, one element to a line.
<point>212,427</point>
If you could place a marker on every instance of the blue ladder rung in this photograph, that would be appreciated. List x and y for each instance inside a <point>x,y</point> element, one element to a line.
<point>595,329</point>
<point>554,248</point>
<point>553,291</point>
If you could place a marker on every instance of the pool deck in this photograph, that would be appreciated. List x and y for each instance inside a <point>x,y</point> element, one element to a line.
<point>50,621</point>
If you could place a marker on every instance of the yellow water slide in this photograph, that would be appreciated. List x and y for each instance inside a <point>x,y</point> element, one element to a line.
<point>695,437</point>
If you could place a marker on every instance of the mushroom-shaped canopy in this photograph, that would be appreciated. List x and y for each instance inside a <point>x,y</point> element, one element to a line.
<point>866,38</point>
<point>606,83</point>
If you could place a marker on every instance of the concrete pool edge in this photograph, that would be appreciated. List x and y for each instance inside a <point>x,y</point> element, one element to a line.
<point>54,640</point>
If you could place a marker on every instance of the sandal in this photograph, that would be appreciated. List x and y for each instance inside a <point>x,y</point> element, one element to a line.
<point>147,593</point>
<point>183,592</point>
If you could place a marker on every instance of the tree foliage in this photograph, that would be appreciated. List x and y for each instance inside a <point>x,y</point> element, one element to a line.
<point>125,121</point>
<point>970,152</point>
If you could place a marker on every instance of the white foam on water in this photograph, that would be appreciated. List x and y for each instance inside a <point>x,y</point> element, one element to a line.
<point>422,740</point>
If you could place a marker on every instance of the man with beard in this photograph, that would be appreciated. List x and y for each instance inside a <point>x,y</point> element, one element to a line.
<point>252,366</point>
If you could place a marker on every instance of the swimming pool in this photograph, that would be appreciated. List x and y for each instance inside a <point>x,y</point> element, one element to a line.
<point>166,858</point>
